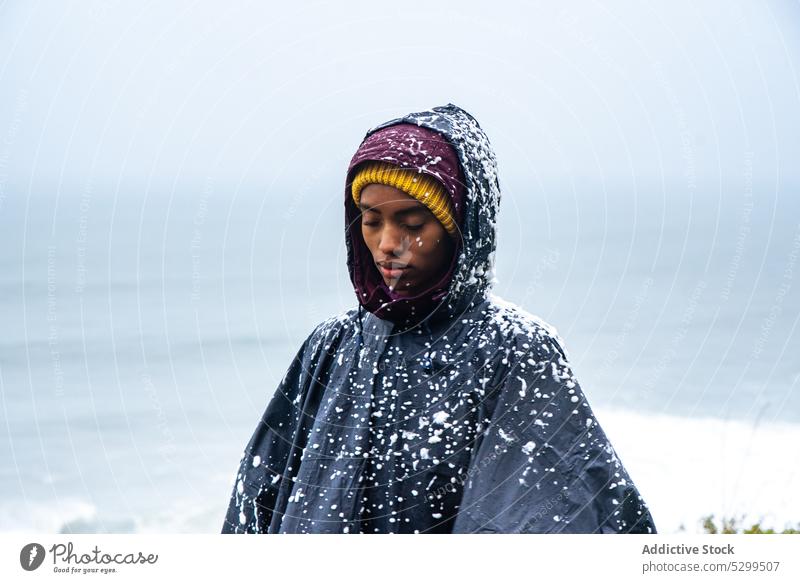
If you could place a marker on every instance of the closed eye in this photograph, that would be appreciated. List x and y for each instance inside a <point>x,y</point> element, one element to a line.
<point>372,222</point>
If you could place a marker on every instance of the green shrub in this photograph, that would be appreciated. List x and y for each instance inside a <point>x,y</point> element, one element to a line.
<point>733,526</point>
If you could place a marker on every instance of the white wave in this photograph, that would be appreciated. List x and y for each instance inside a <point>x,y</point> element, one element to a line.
<point>43,516</point>
<point>688,468</point>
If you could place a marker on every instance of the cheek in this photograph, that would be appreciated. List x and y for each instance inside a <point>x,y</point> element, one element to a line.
<point>369,239</point>
<point>429,246</point>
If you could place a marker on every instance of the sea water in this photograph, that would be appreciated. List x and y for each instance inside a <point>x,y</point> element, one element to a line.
<point>144,333</point>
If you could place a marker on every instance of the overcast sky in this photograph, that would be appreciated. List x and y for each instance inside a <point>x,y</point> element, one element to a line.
<point>138,93</point>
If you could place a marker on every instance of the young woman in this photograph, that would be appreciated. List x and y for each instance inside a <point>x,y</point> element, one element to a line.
<point>433,406</point>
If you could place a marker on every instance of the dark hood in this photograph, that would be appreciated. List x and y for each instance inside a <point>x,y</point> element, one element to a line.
<point>476,199</point>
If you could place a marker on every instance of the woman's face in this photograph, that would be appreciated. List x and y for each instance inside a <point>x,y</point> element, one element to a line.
<point>410,247</point>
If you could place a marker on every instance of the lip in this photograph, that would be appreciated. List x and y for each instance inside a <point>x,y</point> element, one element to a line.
<point>392,272</point>
<point>392,269</point>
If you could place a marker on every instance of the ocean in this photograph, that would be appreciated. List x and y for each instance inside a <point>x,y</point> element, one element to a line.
<point>145,331</point>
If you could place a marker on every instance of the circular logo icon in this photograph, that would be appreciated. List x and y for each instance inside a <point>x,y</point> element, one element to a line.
<point>31,556</point>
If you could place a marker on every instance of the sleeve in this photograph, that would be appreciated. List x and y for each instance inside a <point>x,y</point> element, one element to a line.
<point>544,464</point>
<point>265,458</point>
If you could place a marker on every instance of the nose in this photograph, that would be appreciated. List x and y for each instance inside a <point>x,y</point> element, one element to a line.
<point>393,242</point>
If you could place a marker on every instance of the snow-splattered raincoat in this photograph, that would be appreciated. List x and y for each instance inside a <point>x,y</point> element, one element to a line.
<point>469,421</point>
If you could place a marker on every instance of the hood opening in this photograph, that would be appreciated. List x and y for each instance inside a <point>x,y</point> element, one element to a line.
<point>446,143</point>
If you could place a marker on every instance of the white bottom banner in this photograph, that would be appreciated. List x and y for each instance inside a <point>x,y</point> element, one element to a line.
<point>332,558</point>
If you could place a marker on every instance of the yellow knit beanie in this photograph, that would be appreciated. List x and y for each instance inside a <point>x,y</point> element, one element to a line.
<point>423,187</point>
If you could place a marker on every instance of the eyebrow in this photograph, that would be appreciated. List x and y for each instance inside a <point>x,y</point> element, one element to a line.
<point>408,211</point>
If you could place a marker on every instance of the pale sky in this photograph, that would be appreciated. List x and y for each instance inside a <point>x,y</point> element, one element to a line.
<point>108,93</point>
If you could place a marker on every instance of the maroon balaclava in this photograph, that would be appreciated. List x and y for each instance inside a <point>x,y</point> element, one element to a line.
<point>413,147</point>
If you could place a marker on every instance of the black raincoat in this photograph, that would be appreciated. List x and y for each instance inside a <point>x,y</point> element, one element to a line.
<point>469,421</point>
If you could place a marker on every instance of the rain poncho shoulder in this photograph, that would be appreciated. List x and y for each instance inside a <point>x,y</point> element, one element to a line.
<point>471,421</point>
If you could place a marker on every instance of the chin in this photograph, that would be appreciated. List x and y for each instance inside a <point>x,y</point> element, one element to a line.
<point>401,291</point>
